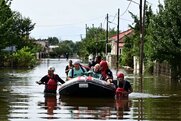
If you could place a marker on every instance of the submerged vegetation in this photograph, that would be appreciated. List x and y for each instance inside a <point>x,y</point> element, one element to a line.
<point>15,31</point>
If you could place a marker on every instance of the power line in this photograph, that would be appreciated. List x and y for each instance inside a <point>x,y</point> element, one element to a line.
<point>126,19</point>
<point>126,8</point>
<point>70,24</point>
<point>114,16</point>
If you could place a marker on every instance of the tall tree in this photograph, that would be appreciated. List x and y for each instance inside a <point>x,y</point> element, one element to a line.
<point>53,40</point>
<point>21,28</point>
<point>132,43</point>
<point>95,41</point>
<point>6,18</point>
<point>14,29</point>
<point>165,36</point>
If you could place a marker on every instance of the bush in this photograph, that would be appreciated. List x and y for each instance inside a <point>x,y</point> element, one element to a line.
<point>24,58</point>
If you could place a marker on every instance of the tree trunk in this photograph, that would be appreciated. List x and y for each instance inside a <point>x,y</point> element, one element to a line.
<point>176,70</point>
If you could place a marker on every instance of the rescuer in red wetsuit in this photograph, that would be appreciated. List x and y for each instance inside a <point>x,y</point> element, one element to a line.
<point>51,81</point>
<point>123,87</point>
<point>106,72</point>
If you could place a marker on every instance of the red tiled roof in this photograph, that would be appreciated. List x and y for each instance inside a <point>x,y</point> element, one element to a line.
<point>122,34</point>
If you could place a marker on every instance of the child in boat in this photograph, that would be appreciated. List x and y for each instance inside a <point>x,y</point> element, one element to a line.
<point>95,72</point>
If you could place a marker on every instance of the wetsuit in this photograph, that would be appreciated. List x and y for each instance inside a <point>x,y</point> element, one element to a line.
<point>46,80</point>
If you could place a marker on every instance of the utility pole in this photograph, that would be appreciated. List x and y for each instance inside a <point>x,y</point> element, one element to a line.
<point>101,25</point>
<point>117,63</point>
<point>142,39</point>
<point>141,36</point>
<point>107,18</point>
<point>85,30</point>
<point>96,44</point>
<point>81,36</point>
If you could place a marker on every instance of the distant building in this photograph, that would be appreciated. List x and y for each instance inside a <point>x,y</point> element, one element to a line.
<point>10,49</point>
<point>45,48</point>
<point>112,57</point>
<point>44,44</point>
<point>51,47</point>
<point>113,41</point>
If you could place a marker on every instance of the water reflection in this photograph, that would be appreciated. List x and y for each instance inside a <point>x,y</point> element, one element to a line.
<point>4,105</point>
<point>121,107</point>
<point>50,105</point>
<point>22,99</point>
<point>91,108</point>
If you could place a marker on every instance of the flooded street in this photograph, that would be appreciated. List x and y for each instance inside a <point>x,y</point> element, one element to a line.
<point>22,99</point>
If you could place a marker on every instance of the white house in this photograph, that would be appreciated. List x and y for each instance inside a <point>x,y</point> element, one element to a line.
<point>111,57</point>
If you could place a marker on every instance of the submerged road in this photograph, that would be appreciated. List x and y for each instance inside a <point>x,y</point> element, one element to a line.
<point>22,99</point>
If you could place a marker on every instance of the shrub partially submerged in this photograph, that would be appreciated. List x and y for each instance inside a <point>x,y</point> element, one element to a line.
<point>24,58</point>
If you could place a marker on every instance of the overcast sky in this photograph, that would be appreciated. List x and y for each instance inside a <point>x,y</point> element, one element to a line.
<point>66,19</point>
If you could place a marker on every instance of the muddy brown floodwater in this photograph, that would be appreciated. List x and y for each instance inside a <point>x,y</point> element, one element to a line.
<point>22,99</point>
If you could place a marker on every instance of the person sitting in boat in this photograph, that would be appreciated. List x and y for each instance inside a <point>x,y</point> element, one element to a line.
<point>51,81</point>
<point>106,72</point>
<point>68,67</point>
<point>123,87</point>
<point>95,72</point>
<point>96,61</point>
<point>76,71</point>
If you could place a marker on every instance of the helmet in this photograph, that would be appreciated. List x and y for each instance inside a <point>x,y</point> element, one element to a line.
<point>51,68</point>
<point>120,75</point>
<point>103,65</point>
<point>77,63</point>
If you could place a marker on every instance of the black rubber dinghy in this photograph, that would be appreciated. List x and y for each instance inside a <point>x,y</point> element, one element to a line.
<point>87,87</point>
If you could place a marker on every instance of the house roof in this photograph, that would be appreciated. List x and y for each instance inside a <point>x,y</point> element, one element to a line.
<point>121,35</point>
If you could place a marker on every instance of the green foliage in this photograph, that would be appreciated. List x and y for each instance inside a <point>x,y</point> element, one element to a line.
<point>22,27</point>
<point>6,18</point>
<point>14,31</point>
<point>53,41</point>
<point>3,58</point>
<point>61,50</point>
<point>13,27</point>
<point>24,58</point>
<point>165,35</point>
<point>81,49</point>
<point>66,46</point>
<point>95,42</point>
<point>132,43</point>
<point>128,52</point>
<point>166,38</point>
